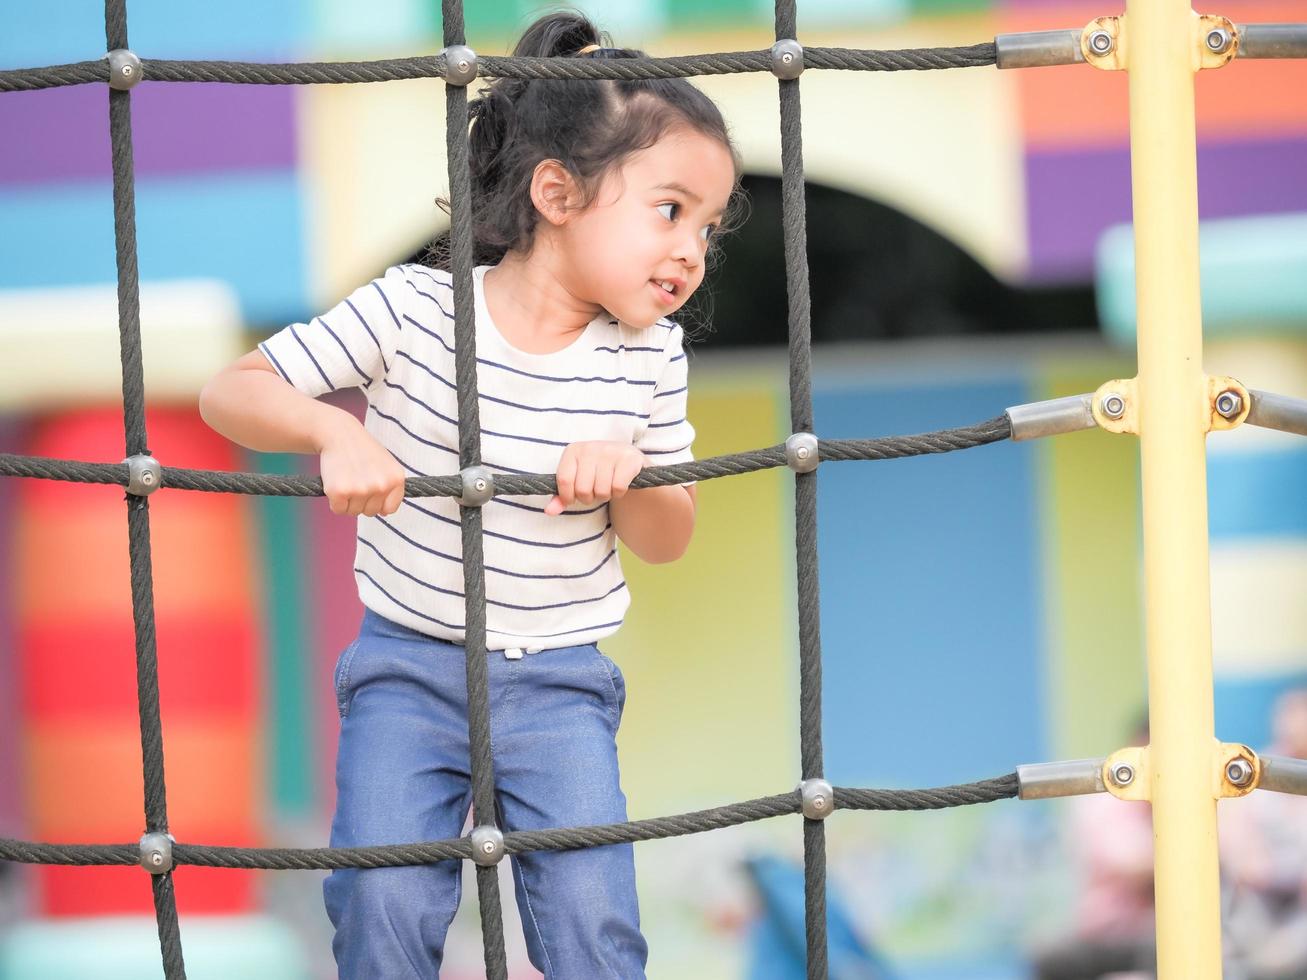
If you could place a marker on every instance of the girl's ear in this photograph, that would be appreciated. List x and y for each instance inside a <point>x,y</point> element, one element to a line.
<point>552,189</point>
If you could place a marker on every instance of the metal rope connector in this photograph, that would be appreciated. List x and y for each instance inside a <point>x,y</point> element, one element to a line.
<point>478,486</point>
<point>1272,41</point>
<point>144,475</point>
<point>1053,417</point>
<point>1278,412</point>
<point>787,59</point>
<point>460,64</point>
<point>818,798</point>
<point>1038,49</point>
<point>156,853</point>
<point>802,452</point>
<point>1047,780</point>
<point>1283,774</point>
<point>124,69</point>
<point>487,845</point>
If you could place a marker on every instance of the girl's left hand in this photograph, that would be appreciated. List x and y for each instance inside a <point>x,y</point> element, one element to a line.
<point>592,472</point>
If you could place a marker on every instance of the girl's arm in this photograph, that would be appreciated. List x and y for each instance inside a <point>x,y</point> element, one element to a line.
<point>655,523</point>
<point>250,404</point>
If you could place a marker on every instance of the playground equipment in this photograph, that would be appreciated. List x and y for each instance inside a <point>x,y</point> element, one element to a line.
<point>1170,405</point>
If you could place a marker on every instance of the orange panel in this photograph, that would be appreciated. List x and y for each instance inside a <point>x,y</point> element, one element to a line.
<point>1075,105</point>
<point>77,562</point>
<point>84,784</point>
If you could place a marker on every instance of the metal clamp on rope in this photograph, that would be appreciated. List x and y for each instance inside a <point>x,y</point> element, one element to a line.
<point>1038,49</point>
<point>460,64</point>
<point>1282,774</point>
<point>787,59</point>
<point>818,798</point>
<point>478,486</point>
<point>1046,780</point>
<point>1272,41</point>
<point>144,475</point>
<point>156,853</point>
<point>487,845</point>
<point>802,452</point>
<point>124,69</point>
<point>1051,417</point>
<point>1278,412</point>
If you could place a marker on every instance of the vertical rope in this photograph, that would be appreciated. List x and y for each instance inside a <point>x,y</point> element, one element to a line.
<point>794,223</point>
<point>469,454</point>
<point>138,510</point>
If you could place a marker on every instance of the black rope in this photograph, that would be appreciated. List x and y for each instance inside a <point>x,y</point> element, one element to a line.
<point>469,454</point>
<point>515,842</point>
<point>711,468</point>
<point>138,509</point>
<point>488,66</point>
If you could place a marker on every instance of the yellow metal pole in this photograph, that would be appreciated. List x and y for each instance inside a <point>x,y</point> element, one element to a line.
<point>1161,55</point>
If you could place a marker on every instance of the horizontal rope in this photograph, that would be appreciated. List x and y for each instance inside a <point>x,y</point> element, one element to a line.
<point>516,842</point>
<point>219,481</point>
<point>433,66</point>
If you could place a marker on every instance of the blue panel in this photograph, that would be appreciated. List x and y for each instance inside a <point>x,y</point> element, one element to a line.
<point>1258,494</point>
<point>243,229</point>
<point>931,609</point>
<point>33,34</point>
<point>1244,705</point>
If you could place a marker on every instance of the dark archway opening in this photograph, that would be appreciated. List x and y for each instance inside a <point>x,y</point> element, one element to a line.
<point>875,274</point>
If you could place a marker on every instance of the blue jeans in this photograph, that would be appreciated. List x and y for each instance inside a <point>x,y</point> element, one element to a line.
<point>402,776</point>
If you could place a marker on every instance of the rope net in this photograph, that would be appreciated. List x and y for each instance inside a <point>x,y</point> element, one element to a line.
<point>138,511</point>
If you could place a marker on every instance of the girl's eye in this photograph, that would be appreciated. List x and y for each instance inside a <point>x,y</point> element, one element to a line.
<point>707,232</point>
<point>671,208</point>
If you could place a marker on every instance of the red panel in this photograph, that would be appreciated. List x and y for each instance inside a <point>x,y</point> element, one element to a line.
<point>118,890</point>
<point>88,670</point>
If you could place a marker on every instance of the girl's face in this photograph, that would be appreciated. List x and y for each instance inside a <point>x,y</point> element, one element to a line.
<point>638,250</point>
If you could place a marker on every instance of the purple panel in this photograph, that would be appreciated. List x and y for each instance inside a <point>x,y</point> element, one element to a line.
<point>10,805</point>
<point>1072,195</point>
<point>63,134</point>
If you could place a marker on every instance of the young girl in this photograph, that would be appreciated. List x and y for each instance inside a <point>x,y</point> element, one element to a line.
<point>594,205</point>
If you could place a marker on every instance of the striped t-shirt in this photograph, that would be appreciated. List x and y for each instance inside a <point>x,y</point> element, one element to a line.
<point>550,581</point>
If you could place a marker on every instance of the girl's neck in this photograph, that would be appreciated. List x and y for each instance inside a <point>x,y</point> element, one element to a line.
<point>532,307</point>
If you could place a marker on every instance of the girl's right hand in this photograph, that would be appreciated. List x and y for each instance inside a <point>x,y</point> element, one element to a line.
<point>358,475</point>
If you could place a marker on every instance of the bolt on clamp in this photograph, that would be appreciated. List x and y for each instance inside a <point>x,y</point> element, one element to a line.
<point>818,798</point>
<point>460,64</point>
<point>144,475</point>
<point>156,853</point>
<point>787,59</point>
<point>478,486</point>
<point>802,453</point>
<point>487,845</point>
<point>125,69</point>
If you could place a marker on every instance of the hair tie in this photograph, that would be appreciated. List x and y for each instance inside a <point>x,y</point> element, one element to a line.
<point>587,49</point>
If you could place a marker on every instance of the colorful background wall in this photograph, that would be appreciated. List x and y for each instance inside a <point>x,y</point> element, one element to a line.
<point>979,610</point>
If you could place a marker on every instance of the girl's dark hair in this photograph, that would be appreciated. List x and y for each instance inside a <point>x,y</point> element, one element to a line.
<point>589,126</point>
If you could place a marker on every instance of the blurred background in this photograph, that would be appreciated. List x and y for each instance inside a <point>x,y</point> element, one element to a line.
<point>968,252</point>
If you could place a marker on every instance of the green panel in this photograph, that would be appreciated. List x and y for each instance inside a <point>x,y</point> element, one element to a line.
<point>927,8</point>
<point>1250,270</point>
<point>127,948</point>
<point>291,768</point>
<point>683,14</point>
<point>708,646</point>
<point>349,25</point>
<point>1097,674</point>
